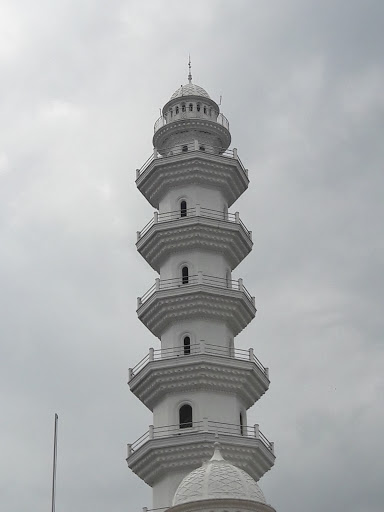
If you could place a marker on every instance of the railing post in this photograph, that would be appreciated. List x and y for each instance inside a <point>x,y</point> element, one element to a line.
<point>200,277</point>
<point>138,235</point>
<point>237,217</point>
<point>129,450</point>
<point>150,431</point>
<point>157,284</point>
<point>240,281</point>
<point>151,354</point>
<point>137,173</point>
<point>130,374</point>
<point>250,234</point>
<point>138,302</point>
<point>155,217</point>
<point>235,153</point>
<point>196,145</point>
<point>246,172</point>
<point>272,446</point>
<point>155,153</point>
<point>254,301</point>
<point>251,354</point>
<point>257,431</point>
<point>198,210</point>
<point>205,424</point>
<point>266,371</point>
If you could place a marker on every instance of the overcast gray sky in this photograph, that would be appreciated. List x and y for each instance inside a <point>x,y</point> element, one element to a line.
<point>81,83</point>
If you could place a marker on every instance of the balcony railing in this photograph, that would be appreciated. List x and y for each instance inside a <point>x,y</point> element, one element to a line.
<point>194,280</point>
<point>198,211</point>
<point>193,146</point>
<point>163,120</point>
<point>198,427</point>
<point>199,348</point>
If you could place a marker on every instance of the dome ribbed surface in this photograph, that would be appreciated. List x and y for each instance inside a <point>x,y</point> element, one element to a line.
<point>189,90</point>
<point>218,479</point>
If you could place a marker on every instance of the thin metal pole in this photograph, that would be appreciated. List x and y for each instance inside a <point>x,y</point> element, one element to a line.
<point>54,464</point>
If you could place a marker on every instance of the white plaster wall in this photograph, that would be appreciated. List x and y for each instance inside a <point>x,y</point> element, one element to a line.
<point>211,331</point>
<point>222,407</point>
<point>164,490</point>
<point>207,262</point>
<point>193,194</point>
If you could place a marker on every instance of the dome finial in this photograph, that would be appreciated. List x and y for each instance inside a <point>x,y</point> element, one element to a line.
<point>189,66</point>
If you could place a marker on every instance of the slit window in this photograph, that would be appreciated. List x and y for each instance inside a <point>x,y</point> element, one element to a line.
<point>198,107</point>
<point>187,345</point>
<point>202,148</point>
<point>183,107</point>
<point>177,110</point>
<point>184,149</point>
<point>183,209</point>
<point>205,110</point>
<point>190,107</point>
<point>241,425</point>
<point>185,416</point>
<point>184,275</point>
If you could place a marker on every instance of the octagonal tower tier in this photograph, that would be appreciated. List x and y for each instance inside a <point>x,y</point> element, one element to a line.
<point>198,384</point>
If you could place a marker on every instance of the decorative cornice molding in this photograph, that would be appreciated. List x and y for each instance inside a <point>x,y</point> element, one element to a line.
<point>225,174</point>
<point>164,238</point>
<point>199,372</point>
<point>188,451</point>
<point>165,307</point>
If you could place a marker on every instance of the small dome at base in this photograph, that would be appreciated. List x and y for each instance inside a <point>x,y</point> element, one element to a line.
<point>218,479</point>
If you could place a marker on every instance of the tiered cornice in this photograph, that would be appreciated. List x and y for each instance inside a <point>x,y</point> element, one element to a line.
<point>168,448</point>
<point>195,166</point>
<point>169,301</point>
<point>207,367</point>
<point>201,228</point>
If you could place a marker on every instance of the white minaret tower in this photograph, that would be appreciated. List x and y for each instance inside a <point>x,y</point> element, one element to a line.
<point>197,383</point>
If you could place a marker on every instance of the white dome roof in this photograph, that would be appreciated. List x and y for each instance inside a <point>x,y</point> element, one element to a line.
<point>218,478</point>
<point>189,90</point>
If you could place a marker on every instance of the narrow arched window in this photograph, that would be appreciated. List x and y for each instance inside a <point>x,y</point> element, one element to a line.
<point>205,110</point>
<point>210,112</point>
<point>171,111</point>
<point>184,275</point>
<point>183,107</point>
<point>190,107</point>
<point>241,425</point>
<point>187,345</point>
<point>185,416</point>
<point>177,110</point>
<point>183,209</point>
<point>198,107</point>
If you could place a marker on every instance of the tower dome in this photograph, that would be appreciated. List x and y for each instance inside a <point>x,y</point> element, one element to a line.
<point>218,479</point>
<point>190,89</point>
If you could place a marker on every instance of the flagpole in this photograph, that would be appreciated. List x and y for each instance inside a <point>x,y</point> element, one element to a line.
<point>54,464</point>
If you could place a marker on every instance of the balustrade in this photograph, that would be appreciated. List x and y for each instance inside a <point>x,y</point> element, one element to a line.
<point>181,149</point>
<point>201,347</point>
<point>197,211</point>
<point>198,427</point>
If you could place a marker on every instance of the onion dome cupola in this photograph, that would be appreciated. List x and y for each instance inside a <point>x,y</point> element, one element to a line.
<point>190,115</point>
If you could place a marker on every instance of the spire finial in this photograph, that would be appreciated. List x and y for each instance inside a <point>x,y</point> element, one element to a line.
<point>189,66</point>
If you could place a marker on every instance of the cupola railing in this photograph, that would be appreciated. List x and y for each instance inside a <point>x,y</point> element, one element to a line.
<point>197,211</point>
<point>194,349</point>
<point>195,280</point>
<point>164,120</point>
<point>198,427</point>
<point>182,149</point>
